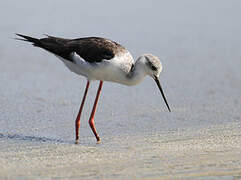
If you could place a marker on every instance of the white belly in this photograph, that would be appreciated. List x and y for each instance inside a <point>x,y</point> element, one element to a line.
<point>114,70</point>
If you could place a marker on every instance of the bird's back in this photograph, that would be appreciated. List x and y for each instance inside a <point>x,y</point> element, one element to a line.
<point>91,49</point>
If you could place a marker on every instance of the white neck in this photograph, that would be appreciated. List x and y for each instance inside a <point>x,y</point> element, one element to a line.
<point>137,74</point>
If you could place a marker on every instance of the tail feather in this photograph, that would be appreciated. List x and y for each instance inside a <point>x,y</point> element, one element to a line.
<point>57,46</point>
<point>35,41</point>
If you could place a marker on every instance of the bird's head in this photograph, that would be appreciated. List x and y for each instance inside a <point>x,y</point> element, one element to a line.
<point>153,68</point>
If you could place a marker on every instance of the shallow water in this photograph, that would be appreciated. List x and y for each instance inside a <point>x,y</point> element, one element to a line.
<point>199,44</point>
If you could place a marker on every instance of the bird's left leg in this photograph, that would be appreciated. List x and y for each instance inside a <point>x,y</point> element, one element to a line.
<point>91,120</point>
<point>77,121</point>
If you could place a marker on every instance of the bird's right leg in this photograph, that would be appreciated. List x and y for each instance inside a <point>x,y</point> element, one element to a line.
<point>77,121</point>
<point>92,116</point>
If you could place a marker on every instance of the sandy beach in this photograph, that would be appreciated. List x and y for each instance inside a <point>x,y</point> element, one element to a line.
<point>199,46</point>
<point>209,153</point>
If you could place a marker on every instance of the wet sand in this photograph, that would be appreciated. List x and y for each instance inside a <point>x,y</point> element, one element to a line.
<point>212,153</point>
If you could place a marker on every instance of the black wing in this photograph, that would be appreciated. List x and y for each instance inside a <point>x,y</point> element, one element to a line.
<point>91,49</point>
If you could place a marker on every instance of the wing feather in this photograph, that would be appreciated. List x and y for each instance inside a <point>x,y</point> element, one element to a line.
<point>91,49</point>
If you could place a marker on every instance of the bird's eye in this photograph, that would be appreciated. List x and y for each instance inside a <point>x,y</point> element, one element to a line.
<point>153,68</point>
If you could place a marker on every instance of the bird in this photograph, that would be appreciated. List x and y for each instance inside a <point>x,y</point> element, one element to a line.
<point>99,59</point>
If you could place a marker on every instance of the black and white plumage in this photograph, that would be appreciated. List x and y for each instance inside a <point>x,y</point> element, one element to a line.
<point>100,59</point>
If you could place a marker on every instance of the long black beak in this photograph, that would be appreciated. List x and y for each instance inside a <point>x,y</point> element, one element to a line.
<point>159,86</point>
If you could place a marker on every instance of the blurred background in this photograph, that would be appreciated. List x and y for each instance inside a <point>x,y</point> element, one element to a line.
<point>198,42</point>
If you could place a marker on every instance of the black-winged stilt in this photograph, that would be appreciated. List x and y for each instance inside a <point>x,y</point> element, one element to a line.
<point>100,59</point>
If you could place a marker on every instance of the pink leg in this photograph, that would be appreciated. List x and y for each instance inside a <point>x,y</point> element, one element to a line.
<point>77,121</point>
<point>91,120</point>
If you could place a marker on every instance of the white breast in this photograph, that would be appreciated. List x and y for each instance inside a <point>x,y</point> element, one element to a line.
<point>114,70</point>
